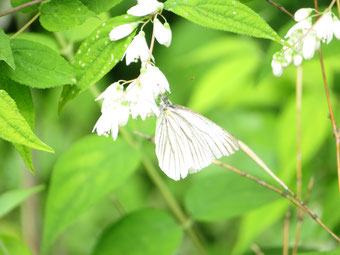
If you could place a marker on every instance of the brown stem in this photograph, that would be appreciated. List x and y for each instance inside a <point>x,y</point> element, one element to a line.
<point>338,6</point>
<point>335,131</point>
<point>285,250</point>
<point>300,218</point>
<point>280,7</point>
<point>256,249</point>
<point>20,7</point>
<point>297,202</point>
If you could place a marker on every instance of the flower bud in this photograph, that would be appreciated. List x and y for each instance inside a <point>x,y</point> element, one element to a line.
<point>162,32</point>
<point>302,14</point>
<point>122,31</point>
<point>146,7</point>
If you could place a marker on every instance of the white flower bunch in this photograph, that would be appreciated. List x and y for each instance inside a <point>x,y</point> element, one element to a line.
<point>137,97</point>
<point>305,37</point>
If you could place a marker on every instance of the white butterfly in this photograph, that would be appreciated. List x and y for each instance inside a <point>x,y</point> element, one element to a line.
<point>186,141</point>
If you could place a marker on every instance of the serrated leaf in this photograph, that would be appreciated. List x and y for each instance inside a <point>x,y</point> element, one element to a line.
<point>38,66</point>
<point>226,15</point>
<point>16,3</point>
<point>223,195</point>
<point>13,198</point>
<point>59,15</point>
<point>89,171</point>
<point>10,246</point>
<point>14,128</point>
<point>100,6</point>
<point>22,96</point>
<point>96,56</point>
<point>5,50</point>
<point>150,231</point>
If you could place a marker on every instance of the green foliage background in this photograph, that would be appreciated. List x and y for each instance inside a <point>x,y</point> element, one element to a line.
<point>98,198</point>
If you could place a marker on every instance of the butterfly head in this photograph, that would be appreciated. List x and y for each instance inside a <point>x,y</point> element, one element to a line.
<point>165,103</point>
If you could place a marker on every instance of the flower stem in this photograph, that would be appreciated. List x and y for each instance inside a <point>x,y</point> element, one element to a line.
<point>286,224</point>
<point>26,25</point>
<point>298,153</point>
<point>280,7</point>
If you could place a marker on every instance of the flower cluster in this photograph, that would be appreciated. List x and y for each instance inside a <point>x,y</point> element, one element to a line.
<point>136,97</point>
<point>305,37</point>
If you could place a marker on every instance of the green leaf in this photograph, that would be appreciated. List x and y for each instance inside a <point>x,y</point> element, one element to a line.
<point>22,96</point>
<point>5,50</point>
<point>333,252</point>
<point>226,15</point>
<point>13,198</point>
<point>223,195</point>
<point>38,66</point>
<point>14,128</point>
<point>255,223</point>
<point>10,246</point>
<point>96,56</point>
<point>59,15</point>
<point>89,171</point>
<point>45,39</point>
<point>16,3</point>
<point>144,232</point>
<point>100,6</point>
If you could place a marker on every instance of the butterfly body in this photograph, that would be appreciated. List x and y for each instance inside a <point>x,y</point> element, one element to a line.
<point>186,141</point>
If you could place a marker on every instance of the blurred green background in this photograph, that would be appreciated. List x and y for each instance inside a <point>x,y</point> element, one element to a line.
<point>225,77</point>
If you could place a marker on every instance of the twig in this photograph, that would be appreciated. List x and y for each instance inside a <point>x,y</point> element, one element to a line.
<point>296,202</point>
<point>338,6</point>
<point>256,249</point>
<point>298,130</point>
<point>118,206</point>
<point>26,25</point>
<point>172,203</point>
<point>280,7</point>
<point>300,218</point>
<point>335,131</point>
<point>285,250</point>
<point>298,154</point>
<point>254,157</point>
<point>20,7</point>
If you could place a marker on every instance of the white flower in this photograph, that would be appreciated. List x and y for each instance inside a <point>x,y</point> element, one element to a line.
<point>324,27</point>
<point>277,68</point>
<point>309,46</point>
<point>146,7</point>
<point>297,60</point>
<point>138,49</point>
<point>336,27</point>
<point>155,79</point>
<point>141,100</point>
<point>302,14</point>
<point>162,33</point>
<point>115,111</point>
<point>299,28</point>
<point>122,31</point>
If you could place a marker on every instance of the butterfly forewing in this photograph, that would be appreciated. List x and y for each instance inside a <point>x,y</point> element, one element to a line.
<point>187,142</point>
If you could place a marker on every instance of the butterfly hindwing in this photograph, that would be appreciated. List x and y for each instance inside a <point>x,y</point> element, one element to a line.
<point>187,142</point>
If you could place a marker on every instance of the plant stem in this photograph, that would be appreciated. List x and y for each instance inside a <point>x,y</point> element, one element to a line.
<point>26,25</point>
<point>172,203</point>
<point>298,154</point>
<point>335,131</point>
<point>256,249</point>
<point>280,7</point>
<point>297,202</point>
<point>300,218</point>
<point>285,250</point>
<point>20,7</point>
<point>168,197</point>
<point>338,6</point>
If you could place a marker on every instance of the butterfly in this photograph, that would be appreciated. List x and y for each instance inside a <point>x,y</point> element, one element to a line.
<point>186,141</point>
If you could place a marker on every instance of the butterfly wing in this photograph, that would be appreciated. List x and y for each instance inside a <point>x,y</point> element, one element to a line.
<point>187,142</point>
